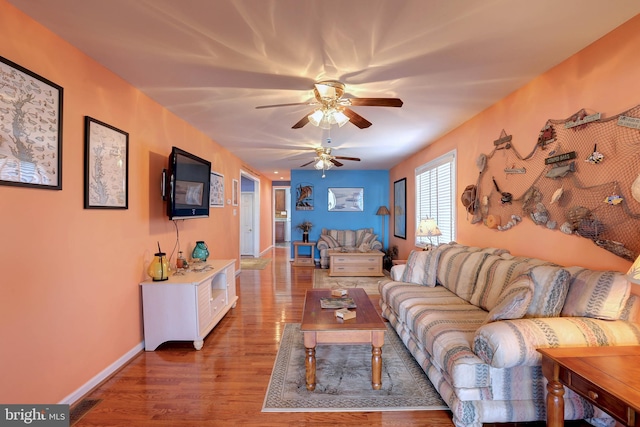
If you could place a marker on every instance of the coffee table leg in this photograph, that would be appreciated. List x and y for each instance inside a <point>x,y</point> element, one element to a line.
<point>376,359</point>
<point>310,360</point>
<point>310,369</point>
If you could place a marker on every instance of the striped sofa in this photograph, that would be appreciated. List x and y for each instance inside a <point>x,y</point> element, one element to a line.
<point>350,239</point>
<point>474,317</point>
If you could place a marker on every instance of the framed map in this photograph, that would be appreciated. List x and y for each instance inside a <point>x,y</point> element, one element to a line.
<point>30,129</point>
<point>106,166</point>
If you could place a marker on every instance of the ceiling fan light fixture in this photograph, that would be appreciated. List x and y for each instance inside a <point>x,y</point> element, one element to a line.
<point>340,118</point>
<point>316,117</point>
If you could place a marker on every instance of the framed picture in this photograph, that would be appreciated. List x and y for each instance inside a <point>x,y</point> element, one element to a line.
<point>304,197</point>
<point>400,208</point>
<point>234,197</point>
<point>346,199</point>
<point>106,166</point>
<point>30,129</point>
<point>216,190</point>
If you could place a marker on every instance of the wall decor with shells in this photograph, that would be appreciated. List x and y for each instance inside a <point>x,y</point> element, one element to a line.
<point>580,176</point>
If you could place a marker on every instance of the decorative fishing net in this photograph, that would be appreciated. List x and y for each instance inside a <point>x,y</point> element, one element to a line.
<point>589,195</point>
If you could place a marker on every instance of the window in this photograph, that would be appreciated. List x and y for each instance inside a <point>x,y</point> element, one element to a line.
<point>435,197</point>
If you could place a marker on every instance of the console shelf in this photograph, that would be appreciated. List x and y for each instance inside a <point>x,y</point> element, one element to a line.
<point>187,307</point>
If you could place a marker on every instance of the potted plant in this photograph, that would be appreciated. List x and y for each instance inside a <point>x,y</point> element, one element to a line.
<point>305,226</point>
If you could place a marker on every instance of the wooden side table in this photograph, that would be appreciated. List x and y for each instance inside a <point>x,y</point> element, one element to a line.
<point>303,260</point>
<point>608,377</point>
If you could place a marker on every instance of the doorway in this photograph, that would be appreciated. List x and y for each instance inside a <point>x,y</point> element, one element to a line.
<point>282,216</point>
<point>249,215</point>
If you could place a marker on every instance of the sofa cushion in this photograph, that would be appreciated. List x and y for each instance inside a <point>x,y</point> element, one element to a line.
<point>597,294</point>
<point>333,243</point>
<point>458,271</point>
<point>550,286</point>
<point>414,271</point>
<point>631,310</point>
<point>366,239</point>
<point>494,276</point>
<point>360,235</point>
<point>514,300</point>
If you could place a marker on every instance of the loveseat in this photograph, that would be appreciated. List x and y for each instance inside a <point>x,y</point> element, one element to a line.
<point>363,238</point>
<point>474,317</point>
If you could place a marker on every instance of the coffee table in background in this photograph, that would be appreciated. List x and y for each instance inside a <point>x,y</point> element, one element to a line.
<point>320,326</point>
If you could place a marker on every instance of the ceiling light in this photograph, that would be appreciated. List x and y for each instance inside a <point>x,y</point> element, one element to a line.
<point>316,117</point>
<point>340,118</point>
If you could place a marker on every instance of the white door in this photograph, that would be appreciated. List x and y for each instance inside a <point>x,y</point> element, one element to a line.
<point>247,225</point>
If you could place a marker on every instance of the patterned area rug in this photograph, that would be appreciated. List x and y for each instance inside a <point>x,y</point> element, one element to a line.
<point>321,279</point>
<point>344,379</point>
<point>254,263</point>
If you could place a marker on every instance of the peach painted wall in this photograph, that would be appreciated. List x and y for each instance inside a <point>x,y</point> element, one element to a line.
<point>601,78</point>
<point>70,304</point>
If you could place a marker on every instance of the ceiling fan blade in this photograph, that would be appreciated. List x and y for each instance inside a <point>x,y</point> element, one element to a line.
<point>285,105</point>
<point>376,102</point>
<point>356,118</point>
<point>348,158</point>
<point>303,121</point>
<point>307,164</point>
<point>335,162</point>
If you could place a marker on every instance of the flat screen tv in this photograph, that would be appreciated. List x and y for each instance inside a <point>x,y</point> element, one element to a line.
<point>187,186</point>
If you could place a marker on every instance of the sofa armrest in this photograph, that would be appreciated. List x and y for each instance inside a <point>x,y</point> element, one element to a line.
<point>509,343</point>
<point>396,272</point>
<point>376,245</point>
<point>322,245</point>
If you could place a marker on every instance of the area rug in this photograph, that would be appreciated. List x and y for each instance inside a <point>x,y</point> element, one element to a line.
<point>321,279</point>
<point>343,376</point>
<point>254,263</point>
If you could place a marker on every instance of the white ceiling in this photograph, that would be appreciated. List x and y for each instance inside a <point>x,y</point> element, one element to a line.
<point>212,62</point>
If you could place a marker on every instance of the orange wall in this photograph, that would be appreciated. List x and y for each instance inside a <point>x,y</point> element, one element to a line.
<point>70,304</point>
<point>600,78</point>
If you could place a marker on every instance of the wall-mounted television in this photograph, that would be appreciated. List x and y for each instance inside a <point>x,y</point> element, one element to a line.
<point>187,185</point>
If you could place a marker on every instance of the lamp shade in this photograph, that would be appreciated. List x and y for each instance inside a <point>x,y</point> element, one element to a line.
<point>382,210</point>
<point>428,228</point>
<point>633,275</point>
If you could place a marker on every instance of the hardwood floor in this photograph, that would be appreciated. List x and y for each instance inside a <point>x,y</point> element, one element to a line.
<point>225,382</point>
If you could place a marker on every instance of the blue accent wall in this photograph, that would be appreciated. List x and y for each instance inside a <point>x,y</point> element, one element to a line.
<point>376,193</point>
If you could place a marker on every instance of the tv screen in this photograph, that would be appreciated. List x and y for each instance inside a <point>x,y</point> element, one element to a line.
<point>188,185</point>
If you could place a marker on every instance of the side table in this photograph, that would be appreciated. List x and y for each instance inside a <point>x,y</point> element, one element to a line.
<point>303,260</point>
<point>608,377</point>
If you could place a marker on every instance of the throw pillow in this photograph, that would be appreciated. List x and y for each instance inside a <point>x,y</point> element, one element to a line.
<point>514,300</point>
<point>597,294</point>
<point>550,286</point>
<point>414,271</point>
<point>333,243</point>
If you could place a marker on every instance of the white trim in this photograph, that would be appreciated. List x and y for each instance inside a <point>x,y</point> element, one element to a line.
<point>103,375</point>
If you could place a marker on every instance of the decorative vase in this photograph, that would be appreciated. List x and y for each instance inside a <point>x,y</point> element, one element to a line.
<point>159,267</point>
<point>201,251</point>
<point>305,236</point>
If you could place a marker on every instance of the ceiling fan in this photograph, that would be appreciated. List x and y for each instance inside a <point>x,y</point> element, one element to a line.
<point>332,108</point>
<point>324,160</point>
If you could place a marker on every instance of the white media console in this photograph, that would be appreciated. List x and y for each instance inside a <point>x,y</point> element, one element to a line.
<point>186,307</point>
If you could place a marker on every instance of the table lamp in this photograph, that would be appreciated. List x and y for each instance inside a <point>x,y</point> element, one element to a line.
<point>428,228</point>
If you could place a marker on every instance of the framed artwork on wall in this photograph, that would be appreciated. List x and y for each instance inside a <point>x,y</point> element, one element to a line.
<point>400,208</point>
<point>216,190</point>
<point>234,197</point>
<point>30,129</point>
<point>304,197</point>
<point>346,199</point>
<point>106,166</point>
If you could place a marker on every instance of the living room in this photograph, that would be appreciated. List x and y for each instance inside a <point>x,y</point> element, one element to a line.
<point>71,309</point>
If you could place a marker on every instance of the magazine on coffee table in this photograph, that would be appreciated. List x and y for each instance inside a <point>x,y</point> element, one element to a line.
<point>345,302</point>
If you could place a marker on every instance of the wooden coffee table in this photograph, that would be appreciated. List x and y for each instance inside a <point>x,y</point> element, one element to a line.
<point>320,326</point>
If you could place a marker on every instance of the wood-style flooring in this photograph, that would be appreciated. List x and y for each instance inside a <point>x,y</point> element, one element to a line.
<point>225,382</point>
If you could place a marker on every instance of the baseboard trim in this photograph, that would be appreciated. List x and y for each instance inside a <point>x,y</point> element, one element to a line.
<point>103,375</point>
